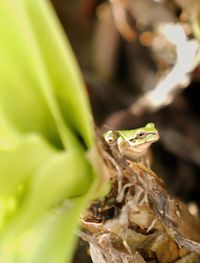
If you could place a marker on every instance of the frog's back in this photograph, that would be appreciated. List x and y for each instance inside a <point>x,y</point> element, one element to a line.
<point>128,134</point>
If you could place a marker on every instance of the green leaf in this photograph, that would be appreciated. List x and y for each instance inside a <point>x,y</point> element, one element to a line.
<point>44,111</point>
<point>45,80</point>
<point>49,239</point>
<point>57,180</point>
<point>16,167</point>
<point>67,74</point>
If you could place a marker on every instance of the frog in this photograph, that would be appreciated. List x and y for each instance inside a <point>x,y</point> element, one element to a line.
<point>133,144</point>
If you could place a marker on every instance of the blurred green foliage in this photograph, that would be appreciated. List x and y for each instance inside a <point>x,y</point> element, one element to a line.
<point>46,129</point>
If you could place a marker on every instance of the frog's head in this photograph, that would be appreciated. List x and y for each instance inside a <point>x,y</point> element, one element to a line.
<point>140,139</point>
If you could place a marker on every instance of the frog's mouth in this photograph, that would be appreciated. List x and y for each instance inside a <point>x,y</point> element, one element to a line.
<point>152,137</point>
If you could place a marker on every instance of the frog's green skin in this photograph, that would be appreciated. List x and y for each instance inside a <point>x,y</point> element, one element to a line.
<point>133,144</point>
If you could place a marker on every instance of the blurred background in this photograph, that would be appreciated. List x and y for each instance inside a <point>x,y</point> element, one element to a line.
<point>140,62</point>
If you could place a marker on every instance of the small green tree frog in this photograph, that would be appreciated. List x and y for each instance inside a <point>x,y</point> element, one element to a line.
<point>133,144</point>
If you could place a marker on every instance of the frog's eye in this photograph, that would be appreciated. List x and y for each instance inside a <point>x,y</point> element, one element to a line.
<point>141,135</point>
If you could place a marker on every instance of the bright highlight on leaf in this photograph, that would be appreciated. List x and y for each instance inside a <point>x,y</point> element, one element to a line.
<point>46,179</point>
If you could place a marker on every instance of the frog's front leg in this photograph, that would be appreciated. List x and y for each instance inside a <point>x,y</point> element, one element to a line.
<point>121,145</point>
<point>146,159</point>
<point>111,137</point>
